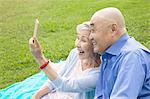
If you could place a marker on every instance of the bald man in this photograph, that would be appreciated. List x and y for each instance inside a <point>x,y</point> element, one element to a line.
<point>125,71</point>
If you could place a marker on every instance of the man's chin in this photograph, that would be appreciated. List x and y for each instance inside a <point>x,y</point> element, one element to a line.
<point>96,50</point>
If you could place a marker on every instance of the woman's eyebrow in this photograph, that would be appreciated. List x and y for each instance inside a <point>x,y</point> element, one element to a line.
<point>84,37</point>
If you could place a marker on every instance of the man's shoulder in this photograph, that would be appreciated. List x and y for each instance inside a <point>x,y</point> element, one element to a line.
<point>133,46</point>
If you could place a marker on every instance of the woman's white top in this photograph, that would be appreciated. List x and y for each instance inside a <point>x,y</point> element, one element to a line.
<point>73,83</point>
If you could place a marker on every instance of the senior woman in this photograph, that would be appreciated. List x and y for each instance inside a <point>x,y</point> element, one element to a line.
<point>77,78</point>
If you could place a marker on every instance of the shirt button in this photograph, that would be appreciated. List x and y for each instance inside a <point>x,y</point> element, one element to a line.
<point>105,60</point>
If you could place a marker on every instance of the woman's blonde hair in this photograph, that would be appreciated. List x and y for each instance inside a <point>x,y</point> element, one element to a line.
<point>83,26</point>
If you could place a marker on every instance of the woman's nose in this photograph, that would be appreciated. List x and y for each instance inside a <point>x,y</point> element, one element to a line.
<point>78,44</point>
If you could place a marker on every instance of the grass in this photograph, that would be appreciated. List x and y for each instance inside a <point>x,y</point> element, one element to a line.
<point>58,20</point>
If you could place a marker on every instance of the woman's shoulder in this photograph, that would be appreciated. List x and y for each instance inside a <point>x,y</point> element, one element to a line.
<point>73,54</point>
<point>94,71</point>
<point>74,51</point>
<point>70,62</point>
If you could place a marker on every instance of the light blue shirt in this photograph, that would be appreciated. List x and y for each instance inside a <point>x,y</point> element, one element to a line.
<point>125,71</point>
<point>84,87</point>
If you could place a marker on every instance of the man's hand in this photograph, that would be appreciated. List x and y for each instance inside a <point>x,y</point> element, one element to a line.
<point>36,50</point>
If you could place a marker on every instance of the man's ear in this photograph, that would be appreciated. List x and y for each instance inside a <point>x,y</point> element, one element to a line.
<point>114,27</point>
<point>114,31</point>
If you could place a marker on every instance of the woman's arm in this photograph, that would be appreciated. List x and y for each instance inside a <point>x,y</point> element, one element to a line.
<point>41,92</point>
<point>82,84</point>
<point>73,85</point>
<point>70,85</point>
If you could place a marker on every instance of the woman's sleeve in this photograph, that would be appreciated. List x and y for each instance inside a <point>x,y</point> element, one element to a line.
<point>50,85</point>
<point>69,61</point>
<point>64,66</point>
<point>82,84</point>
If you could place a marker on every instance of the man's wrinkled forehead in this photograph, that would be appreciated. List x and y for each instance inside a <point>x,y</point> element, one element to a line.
<point>95,20</point>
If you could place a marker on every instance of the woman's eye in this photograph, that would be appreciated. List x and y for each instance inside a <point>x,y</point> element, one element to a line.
<point>83,40</point>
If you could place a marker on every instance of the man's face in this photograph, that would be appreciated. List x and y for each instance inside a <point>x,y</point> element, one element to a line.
<point>100,35</point>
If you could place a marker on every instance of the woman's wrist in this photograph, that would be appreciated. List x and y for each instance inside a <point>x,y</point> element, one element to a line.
<point>40,93</point>
<point>41,60</point>
<point>44,65</point>
<point>36,96</point>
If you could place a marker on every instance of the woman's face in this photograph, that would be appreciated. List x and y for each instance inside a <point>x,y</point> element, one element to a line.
<point>84,45</point>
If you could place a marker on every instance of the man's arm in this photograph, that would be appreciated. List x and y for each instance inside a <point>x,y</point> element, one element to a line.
<point>130,78</point>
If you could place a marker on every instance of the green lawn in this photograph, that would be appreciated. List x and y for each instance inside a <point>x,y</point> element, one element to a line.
<point>58,20</point>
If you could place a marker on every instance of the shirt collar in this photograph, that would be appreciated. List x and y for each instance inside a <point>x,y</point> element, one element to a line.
<point>116,47</point>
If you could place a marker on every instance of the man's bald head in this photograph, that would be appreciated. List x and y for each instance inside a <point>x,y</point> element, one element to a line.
<point>108,26</point>
<point>110,16</point>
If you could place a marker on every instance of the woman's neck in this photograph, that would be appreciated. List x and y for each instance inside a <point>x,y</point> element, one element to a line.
<point>88,63</point>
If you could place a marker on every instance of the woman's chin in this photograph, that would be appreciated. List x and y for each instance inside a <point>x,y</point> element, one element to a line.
<point>81,57</point>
